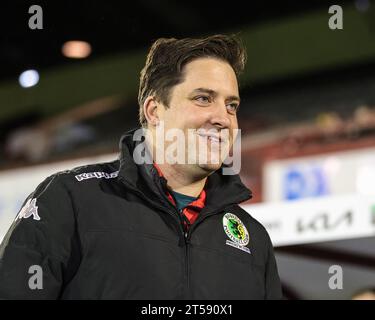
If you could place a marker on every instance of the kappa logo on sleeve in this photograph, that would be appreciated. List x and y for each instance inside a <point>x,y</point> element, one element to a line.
<point>29,209</point>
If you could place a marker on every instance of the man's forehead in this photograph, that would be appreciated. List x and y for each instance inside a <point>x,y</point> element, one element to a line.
<point>211,74</point>
<point>209,67</point>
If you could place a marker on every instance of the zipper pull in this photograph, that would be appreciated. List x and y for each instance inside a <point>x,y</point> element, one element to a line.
<point>187,241</point>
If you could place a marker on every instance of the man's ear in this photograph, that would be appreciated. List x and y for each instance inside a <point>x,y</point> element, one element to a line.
<point>150,110</point>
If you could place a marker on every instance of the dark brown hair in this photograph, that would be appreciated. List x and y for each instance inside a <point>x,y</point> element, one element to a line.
<point>167,57</point>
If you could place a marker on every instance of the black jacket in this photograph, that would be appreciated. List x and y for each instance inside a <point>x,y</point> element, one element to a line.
<point>108,231</point>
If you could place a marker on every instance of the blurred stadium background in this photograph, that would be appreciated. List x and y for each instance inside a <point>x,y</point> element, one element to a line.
<point>307,116</point>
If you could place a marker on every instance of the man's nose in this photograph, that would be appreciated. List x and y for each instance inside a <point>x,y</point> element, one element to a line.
<point>220,116</point>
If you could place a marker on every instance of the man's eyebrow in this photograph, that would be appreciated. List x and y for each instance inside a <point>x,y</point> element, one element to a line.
<point>205,90</point>
<point>214,94</point>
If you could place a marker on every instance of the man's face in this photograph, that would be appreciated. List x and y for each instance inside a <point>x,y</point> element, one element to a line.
<point>207,101</point>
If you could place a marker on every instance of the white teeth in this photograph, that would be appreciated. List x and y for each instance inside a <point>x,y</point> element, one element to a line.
<point>214,139</point>
<point>211,138</point>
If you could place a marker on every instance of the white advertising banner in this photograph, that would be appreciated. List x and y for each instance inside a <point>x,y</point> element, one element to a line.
<point>335,173</point>
<point>17,184</point>
<point>316,220</point>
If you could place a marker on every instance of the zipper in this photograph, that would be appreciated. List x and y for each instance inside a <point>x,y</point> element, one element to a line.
<point>180,222</point>
<point>187,251</point>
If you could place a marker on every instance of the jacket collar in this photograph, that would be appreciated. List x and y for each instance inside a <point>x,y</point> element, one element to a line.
<point>221,190</point>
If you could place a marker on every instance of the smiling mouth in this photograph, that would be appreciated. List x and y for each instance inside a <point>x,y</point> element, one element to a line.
<point>211,138</point>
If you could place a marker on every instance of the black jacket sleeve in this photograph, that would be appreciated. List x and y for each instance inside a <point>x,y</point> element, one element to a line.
<point>37,253</point>
<point>273,284</point>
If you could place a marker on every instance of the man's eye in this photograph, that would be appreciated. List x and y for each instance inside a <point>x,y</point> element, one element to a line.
<point>233,107</point>
<point>203,99</point>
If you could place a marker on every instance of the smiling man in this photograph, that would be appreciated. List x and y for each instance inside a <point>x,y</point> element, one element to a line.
<point>155,229</point>
<point>206,101</point>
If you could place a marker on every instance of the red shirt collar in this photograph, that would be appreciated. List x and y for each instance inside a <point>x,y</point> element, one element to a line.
<point>199,203</point>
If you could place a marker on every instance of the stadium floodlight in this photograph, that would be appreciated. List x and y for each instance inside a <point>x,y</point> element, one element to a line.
<point>28,78</point>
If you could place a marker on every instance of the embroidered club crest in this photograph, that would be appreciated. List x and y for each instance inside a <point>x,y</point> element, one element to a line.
<point>236,231</point>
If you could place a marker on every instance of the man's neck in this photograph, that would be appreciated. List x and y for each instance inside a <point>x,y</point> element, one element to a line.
<point>181,182</point>
<point>178,180</point>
